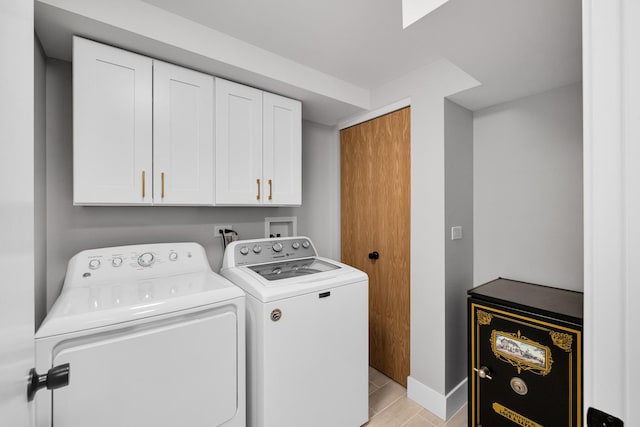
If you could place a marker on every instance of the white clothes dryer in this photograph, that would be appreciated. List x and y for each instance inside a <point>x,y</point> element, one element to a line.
<point>153,338</point>
<point>307,334</point>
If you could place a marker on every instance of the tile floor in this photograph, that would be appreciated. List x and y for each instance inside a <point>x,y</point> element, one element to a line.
<point>390,407</point>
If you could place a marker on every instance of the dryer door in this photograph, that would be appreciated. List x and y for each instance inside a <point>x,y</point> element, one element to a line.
<point>177,372</point>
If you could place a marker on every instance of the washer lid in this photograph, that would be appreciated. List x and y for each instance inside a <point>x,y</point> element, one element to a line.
<point>82,308</point>
<point>259,284</point>
<point>295,268</point>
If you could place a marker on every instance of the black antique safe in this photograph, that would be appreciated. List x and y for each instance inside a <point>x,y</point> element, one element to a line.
<point>525,355</point>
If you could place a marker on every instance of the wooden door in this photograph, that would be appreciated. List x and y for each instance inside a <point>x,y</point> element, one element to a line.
<point>375,210</point>
<point>182,136</point>
<point>238,144</point>
<point>282,150</point>
<point>112,125</point>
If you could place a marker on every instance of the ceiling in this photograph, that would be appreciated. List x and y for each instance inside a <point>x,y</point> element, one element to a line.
<point>513,47</point>
<point>333,54</point>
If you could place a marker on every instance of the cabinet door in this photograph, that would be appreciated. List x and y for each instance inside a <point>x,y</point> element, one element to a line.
<point>182,136</point>
<point>524,369</point>
<point>238,144</point>
<point>165,374</point>
<point>112,125</point>
<point>282,150</point>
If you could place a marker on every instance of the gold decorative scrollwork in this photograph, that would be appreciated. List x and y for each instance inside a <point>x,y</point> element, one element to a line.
<point>562,340</point>
<point>484,318</point>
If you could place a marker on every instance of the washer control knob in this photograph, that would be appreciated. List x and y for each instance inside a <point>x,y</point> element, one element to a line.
<point>146,259</point>
<point>257,249</point>
<point>277,247</point>
<point>116,261</point>
<point>244,250</point>
<point>306,244</point>
<point>94,264</point>
<point>173,256</point>
<point>295,245</point>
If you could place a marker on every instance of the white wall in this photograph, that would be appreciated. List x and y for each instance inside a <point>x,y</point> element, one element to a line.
<point>74,228</point>
<point>427,87</point>
<point>458,155</point>
<point>528,213</point>
<point>320,211</point>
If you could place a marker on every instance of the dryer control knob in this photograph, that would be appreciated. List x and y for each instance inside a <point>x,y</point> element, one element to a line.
<point>146,259</point>
<point>173,256</point>
<point>94,264</point>
<point>295,245</point>
<point>244,250</point>
<point>277,247</point>
<point>305,244</point>
<point>116,262</point>
<point>257,249</point>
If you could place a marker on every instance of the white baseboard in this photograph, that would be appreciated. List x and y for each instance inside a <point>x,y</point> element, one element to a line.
<point>444,406</point>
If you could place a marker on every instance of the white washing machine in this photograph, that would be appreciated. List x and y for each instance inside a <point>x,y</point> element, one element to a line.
<point>153,338</point>
<point>307,334</point>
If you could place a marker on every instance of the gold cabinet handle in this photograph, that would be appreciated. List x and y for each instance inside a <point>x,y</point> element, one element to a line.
<point>143,185</point>
<point>258,182</point>
<point>162,180</point>
<point>270,189</point>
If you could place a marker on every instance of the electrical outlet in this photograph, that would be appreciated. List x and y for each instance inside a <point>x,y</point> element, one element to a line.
<point>218,227</point>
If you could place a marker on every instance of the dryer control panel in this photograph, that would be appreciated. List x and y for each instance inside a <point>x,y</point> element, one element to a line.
<point>135,262</point>
<point>260,251</point>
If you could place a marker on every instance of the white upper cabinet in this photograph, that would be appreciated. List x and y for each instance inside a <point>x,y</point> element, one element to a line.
<point>182,136</point>
<point>143,130</point>
<point>282,150</point>
<point>238,144</point>
<point>151,133</point>
<point>258,147</point>
<point>112,125</point>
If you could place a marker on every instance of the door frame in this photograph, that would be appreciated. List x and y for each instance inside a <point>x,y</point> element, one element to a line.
<point>611,89</point>
<point>352,121</point>
<point>17,229</point>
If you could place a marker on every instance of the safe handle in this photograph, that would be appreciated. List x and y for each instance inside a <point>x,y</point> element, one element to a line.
<point>483,372</point>
<point>55,377</point>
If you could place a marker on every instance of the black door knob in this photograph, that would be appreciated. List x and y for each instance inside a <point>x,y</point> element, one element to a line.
<point>56,377</point>
<point>374,255</point>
